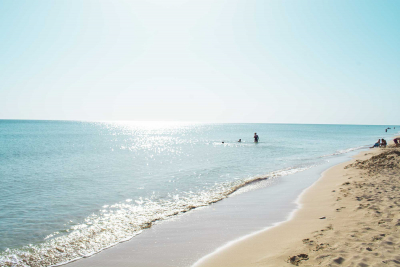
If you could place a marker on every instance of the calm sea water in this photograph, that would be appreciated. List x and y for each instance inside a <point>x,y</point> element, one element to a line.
<point>72,188</point>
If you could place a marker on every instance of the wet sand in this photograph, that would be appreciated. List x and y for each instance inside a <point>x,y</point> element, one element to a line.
<point>349,217</point>
<point>183,240</point>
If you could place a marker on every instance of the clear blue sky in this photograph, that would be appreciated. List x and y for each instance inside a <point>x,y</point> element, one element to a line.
<point>211,60</point>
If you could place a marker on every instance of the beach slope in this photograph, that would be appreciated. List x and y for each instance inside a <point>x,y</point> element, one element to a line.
<point>349,217</point>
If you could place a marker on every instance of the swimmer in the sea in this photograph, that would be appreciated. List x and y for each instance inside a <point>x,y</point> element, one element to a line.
<point>256,138</point>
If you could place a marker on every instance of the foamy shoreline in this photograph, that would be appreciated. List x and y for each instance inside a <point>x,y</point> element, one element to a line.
<point>333,225</point>
<point>161,239</point>
<point>184,240</point>
<point>204,231</point>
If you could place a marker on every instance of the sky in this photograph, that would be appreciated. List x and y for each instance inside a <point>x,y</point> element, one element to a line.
<point>255,61</point>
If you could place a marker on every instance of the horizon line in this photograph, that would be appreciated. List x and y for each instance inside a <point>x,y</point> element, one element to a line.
<point>205,122</point>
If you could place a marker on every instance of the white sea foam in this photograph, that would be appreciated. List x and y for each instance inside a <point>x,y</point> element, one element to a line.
<point>121,222</point>
<point>144,158</point>
<point>344,151</point>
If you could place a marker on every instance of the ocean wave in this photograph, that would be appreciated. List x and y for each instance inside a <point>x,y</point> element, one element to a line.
<point>344,151</point>
<point>121,222</point>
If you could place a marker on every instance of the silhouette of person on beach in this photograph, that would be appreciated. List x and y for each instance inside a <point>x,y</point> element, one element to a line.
<point>256,138</point>
<point>383,143</point>
<point>377,144</point>
<point>397,141</point>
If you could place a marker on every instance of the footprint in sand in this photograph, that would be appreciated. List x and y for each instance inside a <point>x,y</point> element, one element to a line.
<point>295,260</point>
<point>339,260</point>
<point>308,241</point>
<point>339,209</point>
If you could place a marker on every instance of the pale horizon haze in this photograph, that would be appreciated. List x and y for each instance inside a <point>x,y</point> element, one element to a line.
<point>247,61</point>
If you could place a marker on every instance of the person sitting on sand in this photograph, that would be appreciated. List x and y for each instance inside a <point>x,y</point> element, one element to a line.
<point>383,143</point>
<point>397,141</point>
<point>256,138</point>
<point>377,144</point>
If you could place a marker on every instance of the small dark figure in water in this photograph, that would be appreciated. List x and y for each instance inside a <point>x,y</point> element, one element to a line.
<point>240,140</point>
<point>256,138</point>
<point>386,130</point>
<point>223,142</point>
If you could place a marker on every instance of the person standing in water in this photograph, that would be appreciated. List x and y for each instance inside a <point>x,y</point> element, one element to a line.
<point>256,138</point>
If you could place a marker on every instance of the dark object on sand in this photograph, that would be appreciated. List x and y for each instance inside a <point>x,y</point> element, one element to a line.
<point>377,144</point>
<point>295,260</point>
<point>383,143</point>
<point>396,141</point>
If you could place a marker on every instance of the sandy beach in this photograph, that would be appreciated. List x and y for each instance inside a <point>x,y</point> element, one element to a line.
<point>199,133</point>
<point>349,217</point>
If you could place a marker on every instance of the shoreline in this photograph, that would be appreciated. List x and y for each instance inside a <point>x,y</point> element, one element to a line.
<point>80,224</point>
<point>186,239</point>
<point>204,232</point>
<point>320,213</point>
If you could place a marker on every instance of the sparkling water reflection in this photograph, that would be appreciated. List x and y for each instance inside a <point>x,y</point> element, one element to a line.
<point>73,188</point>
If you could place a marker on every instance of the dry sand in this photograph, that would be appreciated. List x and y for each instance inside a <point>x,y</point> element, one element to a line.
<point>349,217</point>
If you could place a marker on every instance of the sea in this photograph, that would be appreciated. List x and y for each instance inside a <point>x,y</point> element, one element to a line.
<point>69,189</point>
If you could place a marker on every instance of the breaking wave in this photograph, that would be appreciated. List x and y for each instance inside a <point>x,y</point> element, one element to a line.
<point>344,151</point>
<point>120,222</point>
